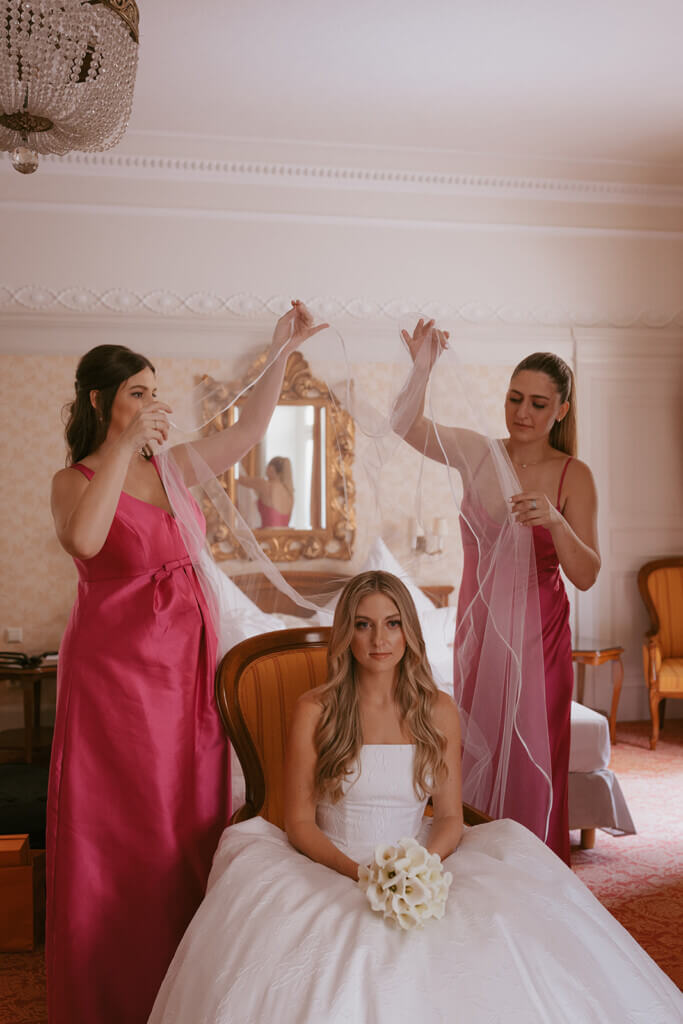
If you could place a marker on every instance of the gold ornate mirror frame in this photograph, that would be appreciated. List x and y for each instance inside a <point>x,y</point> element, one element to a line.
<point>284,543</point>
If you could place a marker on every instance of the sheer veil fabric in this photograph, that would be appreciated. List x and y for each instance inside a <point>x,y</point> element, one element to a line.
<point>498,673</point>
<point>499,678</point>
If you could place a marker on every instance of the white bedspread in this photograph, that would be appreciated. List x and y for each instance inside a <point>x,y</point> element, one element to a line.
<point>590,748</point>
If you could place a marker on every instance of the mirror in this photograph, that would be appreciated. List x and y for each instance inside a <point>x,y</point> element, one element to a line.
<point>295,488</point>
<point>281,482</point>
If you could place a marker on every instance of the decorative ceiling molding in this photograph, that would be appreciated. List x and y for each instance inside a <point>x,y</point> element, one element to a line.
<point>321,176</point>
<point>121,303</point>
<point>403,223</point>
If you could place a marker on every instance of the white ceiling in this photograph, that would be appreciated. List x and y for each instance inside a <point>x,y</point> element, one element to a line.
<point>590,80</point>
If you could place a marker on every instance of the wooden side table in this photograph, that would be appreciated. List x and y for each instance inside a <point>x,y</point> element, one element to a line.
<point>31,679</point>
<point>589,653</point>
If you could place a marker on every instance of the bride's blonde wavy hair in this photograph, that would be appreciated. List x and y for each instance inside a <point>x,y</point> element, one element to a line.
<point>338,735</point>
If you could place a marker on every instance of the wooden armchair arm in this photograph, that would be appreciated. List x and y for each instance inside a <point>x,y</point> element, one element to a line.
<point>471,816</point>
<point>652,658</point>
<point>474,817</point>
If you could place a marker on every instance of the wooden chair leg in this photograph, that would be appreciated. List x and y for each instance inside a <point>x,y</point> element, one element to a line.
<point>654,715</point>
<point>662,711</point>
<point>587,838</point>
<point>617,681</point>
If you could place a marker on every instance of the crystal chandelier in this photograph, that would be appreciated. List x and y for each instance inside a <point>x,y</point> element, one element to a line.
<point>67,71</point>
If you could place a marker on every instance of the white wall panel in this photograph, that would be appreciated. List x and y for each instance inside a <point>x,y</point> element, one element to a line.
<point>630,396</point>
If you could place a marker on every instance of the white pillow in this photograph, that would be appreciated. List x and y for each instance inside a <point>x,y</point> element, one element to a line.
<point>438,630</point>
<point>380,557</point>
<point>295,621</point>
<point>239,617</point>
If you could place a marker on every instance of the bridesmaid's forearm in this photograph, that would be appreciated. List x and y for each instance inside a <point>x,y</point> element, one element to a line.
<point>224,449</point>
<point>408,418</point>
<point>580,563</point>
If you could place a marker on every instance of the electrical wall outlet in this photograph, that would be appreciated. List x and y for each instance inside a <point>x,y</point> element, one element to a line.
<point>14,634</point>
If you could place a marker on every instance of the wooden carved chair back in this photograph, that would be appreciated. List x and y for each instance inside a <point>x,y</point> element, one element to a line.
<point>257,686</point>
<point>661,587</point>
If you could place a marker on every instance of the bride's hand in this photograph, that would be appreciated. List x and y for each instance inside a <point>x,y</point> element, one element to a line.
<point>292,329</point>
<point>426,332</point>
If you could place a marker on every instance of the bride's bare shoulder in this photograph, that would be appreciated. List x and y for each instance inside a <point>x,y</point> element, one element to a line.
<point>304,722</point>
<point>446,715</point>
<point>308,707</point>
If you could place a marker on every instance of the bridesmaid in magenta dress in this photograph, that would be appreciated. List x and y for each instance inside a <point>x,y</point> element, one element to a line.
<point>139,777</point>
<point>558,501</point>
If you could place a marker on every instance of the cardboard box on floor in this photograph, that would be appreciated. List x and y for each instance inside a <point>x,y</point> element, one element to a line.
<point>22,895</point>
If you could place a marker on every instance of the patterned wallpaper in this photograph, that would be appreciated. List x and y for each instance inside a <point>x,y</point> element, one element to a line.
<point>39,579</point>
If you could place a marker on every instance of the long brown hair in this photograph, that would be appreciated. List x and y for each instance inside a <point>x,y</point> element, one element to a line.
<point>103,369</point>
<point>338,735</point>
<point>562,434</point>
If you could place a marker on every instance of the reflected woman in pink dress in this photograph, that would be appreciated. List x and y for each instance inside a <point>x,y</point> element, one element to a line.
<point>557,500</point>
<point>275,499</point>
<point>139,777</point>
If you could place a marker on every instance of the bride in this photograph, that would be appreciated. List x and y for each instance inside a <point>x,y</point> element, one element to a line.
<point>285,933</point>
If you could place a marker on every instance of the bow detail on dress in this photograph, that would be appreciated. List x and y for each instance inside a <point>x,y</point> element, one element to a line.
<point>168,567</point>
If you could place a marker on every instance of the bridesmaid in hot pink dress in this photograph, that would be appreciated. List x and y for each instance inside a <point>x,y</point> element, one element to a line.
<point>558,501</point>
<point>139,779</point>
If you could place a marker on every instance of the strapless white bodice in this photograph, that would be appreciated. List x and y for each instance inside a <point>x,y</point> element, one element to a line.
<point>379,804</point>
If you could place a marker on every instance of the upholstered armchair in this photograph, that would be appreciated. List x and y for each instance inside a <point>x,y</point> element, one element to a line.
<point>661,588</point>
<point>257,686</point>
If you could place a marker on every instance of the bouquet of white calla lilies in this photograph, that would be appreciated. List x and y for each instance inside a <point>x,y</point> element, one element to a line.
<point>406,883</point>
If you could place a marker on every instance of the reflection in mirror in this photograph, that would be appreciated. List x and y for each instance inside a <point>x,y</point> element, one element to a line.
<point>295,488</point>
<point>281,482</point>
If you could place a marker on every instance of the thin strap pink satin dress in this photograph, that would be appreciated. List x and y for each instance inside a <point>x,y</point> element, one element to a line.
<point>139,777</point>
<point>524,784</point>
<point>559,676</point>
<point>270,516</point>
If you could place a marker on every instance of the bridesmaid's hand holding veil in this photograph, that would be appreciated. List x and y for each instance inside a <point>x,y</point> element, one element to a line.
<point>200,460</point>
<point>534,508</point>
<point>453,446</point>
<point>292,329</point>
<point>150,424</point>
<point>426,332</point>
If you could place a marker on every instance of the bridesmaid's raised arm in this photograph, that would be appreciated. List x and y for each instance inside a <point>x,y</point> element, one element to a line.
<point>224,449</point>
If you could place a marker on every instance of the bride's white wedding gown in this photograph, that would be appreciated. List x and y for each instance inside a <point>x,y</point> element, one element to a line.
<point>280,939</point>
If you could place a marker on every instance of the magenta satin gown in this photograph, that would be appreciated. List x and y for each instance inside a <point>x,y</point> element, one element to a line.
<point>139,784</point>
<point>558,670</point>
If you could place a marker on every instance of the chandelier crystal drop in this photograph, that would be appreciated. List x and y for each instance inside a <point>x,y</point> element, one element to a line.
<point>67,73</point>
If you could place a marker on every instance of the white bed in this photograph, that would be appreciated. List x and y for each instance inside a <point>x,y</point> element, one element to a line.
<point>596,799</point>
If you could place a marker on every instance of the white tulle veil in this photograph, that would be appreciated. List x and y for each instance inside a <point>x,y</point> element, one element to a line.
<point>463,476</point>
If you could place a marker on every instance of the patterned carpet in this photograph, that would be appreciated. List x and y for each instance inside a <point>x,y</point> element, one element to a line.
<point>638,878</point>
